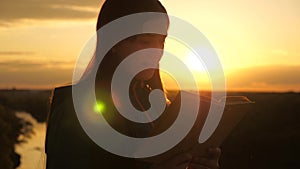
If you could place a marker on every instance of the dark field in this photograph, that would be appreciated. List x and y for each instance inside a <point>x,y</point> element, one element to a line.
<point>267,138</point>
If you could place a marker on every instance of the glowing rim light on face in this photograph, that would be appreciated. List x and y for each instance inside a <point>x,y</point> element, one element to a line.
<point>111,140</point>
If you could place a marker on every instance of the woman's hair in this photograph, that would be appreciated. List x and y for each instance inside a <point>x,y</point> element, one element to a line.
<point>110,11</point>
<point>115,9</point>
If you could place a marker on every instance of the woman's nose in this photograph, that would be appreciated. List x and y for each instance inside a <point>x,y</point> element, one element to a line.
<point>159,43</point>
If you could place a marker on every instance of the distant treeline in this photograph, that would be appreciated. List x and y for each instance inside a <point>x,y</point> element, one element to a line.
<point>34,102</point>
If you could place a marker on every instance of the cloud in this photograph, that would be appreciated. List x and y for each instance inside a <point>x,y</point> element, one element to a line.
<point>25,65</point>
<point>24,73</point>
<point>12,11</point>
<point>266,77</point>
<point>6,53</point>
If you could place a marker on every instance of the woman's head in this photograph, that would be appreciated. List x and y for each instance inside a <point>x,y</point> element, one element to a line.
<point>115,9</point>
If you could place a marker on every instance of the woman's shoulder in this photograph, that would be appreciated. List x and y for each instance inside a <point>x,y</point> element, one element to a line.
<point>62,92</point>
<point>60,104</point>
<point>61,96</point>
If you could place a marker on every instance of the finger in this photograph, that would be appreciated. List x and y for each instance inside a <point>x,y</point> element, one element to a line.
<point>197,166</point>
<point>210,163</point>
<point>181,159</point>
<point>183,166</point>
<point>215,152</point>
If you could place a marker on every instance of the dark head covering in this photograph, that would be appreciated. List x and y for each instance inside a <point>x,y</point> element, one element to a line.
<point>114,9</point>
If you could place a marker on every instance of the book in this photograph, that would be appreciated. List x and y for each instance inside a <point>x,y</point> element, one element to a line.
<point>235,109</point>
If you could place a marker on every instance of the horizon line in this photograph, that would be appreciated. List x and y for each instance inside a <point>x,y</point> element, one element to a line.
<point>228,91</point>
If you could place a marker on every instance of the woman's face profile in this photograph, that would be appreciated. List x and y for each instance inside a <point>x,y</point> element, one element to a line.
<point>140,42</point>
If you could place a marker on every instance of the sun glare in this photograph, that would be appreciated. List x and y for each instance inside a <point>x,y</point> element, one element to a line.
<point>194,63</point>
<point>189,59</point>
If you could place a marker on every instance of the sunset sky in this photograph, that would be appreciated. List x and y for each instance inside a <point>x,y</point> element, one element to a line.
<point>258,42</point>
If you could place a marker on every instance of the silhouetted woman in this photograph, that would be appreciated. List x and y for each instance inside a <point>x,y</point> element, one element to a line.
<point>69,147</point>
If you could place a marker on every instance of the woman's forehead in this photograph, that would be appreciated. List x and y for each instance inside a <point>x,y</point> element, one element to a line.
<point>151,35</point>
<point>156,21</point>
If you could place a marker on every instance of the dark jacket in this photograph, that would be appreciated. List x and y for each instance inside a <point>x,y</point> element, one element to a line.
<point>69,147</point>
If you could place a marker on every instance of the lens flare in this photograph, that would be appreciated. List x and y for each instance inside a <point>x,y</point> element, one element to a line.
<point>99,107</point>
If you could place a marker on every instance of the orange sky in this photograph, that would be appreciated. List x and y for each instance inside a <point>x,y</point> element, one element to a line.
<point>257,41</point>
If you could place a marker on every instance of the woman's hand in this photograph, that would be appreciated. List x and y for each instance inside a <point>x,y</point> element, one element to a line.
<point>180,161</point>
<point>208,161</point>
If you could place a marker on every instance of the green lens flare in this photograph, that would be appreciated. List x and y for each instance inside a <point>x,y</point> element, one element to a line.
<point>99,107</point>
